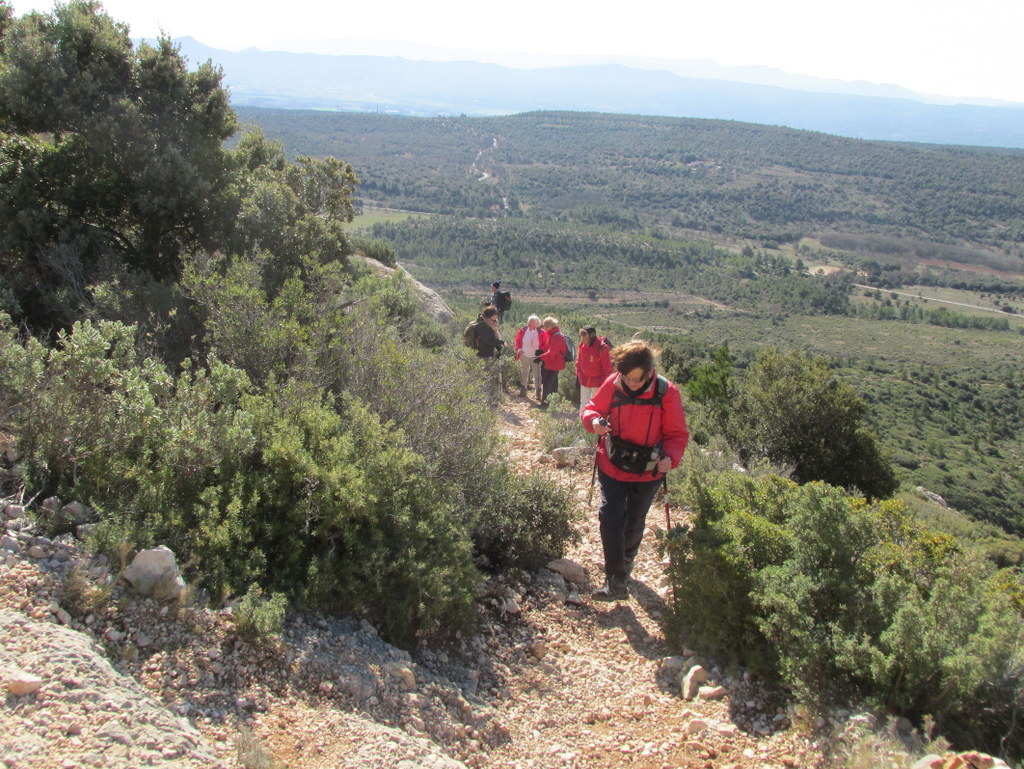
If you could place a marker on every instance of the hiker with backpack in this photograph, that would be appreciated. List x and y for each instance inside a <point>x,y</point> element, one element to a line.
<point>593,363</point>
<point>553,357</point>
<point>484,336</point>
<point>501,300</point>
<point>530,340</point>
<point>640,418</point>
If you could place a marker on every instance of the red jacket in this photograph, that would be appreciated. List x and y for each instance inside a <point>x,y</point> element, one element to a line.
<point>594,362</point>
<point>643,425</point>
<point>553,357</point>
<point>542,338</point>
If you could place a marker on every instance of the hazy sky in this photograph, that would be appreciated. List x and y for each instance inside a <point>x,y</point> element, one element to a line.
<point>968,48</point>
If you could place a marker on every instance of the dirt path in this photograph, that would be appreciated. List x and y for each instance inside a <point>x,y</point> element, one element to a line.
<point>606,690</point>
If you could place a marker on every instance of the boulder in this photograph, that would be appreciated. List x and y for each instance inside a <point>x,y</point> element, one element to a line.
<point>691,682</point>
<point>570,570</point>
<point>154,573</point>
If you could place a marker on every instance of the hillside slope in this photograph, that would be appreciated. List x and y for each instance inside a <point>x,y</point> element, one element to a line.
<point>551,678</point>
<point>712,178</point>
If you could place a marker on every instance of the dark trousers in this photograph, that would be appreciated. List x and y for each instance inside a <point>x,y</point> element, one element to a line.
<point>623,515</point>
<point>549,380</point>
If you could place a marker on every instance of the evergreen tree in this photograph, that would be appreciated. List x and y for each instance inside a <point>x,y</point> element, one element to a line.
<point>793,411</point>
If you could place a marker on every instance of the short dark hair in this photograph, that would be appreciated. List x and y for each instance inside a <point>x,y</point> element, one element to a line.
<point>490,312</point>
<point>496,284</point>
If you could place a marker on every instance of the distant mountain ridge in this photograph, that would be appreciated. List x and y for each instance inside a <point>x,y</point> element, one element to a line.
<point>396,85</point>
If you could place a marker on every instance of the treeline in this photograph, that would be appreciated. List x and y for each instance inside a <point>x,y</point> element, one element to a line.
<point>759,182</point>
<point>942,316</point>
<point>540,253</point>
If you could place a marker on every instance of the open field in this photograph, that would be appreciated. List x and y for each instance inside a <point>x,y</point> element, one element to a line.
<point>371,216</point>
<point>973,303</point>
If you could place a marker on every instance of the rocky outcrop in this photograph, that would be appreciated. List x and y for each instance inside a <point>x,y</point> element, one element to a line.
<point>428,298</point>
<point>61,682</point>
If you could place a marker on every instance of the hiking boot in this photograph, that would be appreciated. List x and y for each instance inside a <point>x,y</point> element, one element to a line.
<point>612,590</point>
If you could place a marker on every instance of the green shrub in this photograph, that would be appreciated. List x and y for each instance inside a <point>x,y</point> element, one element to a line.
<point>526,521</point>
<point>258,618</point>
<point>380,250</point>
<point>353,477</point>
<point>791,409</point>
<point>713,570</point>
<point>842,599</point>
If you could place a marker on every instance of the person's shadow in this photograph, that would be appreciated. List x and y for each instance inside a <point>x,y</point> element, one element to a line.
<point>623,615</point>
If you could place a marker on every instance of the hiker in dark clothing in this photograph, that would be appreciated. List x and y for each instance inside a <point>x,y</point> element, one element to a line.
<point>500,300</point>
<point>488,343</point>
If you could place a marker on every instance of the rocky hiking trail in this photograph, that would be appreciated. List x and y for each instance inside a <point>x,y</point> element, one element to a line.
<point>552,678</point>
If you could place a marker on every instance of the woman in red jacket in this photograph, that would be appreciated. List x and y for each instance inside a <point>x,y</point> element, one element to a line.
<point>593,363</point>
<point>552,359</point>
<point>641,418</point>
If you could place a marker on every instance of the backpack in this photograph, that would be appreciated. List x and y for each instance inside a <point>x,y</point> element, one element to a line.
<point>570,349</point>
<point>503,300</point>
<point>620,398</point>
<point>469,334</point>
<point>631,457</point>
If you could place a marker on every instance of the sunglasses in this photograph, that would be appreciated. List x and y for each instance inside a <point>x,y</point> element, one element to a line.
<point>637,380</point>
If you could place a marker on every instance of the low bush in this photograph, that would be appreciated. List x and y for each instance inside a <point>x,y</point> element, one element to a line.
<point>527,521</point>
<point>260,618</point>
<point>844,599</point>
<point>355,477</point>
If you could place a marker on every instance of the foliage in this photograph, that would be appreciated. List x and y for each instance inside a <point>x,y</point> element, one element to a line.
<point>712,384</point>
<point>527,522</point>
<point>791,409</point>
<point>112,169</point>
<point>380,250</point>
<point>278,487</point>
<point>294,212</point>
<point>380,501</point>
<point>841,598</point>
<point>111,158</point>
<point>260,618</point>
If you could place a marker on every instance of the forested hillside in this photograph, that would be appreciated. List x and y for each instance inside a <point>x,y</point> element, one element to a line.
<point>763,183</point>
